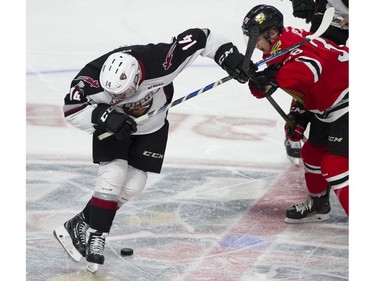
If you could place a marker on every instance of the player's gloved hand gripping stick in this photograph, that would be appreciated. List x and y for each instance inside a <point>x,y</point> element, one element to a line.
<point>326,21</point>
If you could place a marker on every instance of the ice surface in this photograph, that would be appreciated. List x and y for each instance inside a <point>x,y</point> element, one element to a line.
<point>216,212</point>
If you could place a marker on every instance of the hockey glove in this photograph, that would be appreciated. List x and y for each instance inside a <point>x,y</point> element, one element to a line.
<point>263,83</point>
<point>303,9</point>
<point>107,118</point>
<point>301,119</point>
<point>230,59</point>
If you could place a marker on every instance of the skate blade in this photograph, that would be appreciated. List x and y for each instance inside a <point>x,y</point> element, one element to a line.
<point>295,161</point>
<point>309,219</point>
<point>92,267</point>
<point>64,239</point>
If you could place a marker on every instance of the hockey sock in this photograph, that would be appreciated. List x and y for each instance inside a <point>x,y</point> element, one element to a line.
<point>312,158</point>
<point>343,196</point>
<point>335,169</point>
<point>102,213</point>
<point>86,212</point>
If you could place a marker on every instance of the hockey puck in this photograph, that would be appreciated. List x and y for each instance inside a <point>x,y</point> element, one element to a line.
<point>126,251</point>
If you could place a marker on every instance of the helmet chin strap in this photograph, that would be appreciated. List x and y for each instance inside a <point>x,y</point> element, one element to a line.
<point>267,36</point>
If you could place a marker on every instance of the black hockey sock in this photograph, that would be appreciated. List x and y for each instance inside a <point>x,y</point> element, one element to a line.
<point>102,214</point>
<point>86,212</point>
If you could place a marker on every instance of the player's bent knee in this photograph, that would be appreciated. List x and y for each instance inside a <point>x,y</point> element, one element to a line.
<point>134,185</point>
<point>335,164</point>
<point>335,168</point>
<point>312,154</point>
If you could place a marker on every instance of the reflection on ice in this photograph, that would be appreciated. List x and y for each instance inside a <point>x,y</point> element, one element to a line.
<point>189,224</point>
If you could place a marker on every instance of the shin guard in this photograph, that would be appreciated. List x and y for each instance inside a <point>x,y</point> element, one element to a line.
<point>312,158</point>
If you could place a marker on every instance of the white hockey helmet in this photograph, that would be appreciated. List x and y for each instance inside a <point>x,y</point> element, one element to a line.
<point>120,75</point>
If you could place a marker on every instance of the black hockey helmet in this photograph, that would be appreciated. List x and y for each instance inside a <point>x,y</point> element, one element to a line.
<point>264,17</point>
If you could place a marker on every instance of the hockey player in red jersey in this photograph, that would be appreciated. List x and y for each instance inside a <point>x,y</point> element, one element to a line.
<point>106,96</point>
<point>317,76</point>
<point>338,32</point>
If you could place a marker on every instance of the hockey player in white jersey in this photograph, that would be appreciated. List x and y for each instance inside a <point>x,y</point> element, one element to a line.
<point>106,96</point>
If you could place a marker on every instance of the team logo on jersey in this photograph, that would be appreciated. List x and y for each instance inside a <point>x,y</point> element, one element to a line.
<point>140,107</point>
<point>276,48</point>
<point>168,60</point>
<point>89,80</point>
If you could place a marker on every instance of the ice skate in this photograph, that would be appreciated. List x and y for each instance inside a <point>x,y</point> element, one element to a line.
<point>95,248</point>
<point>73,233</point>
<point>314,209</point>
<point>293,151</point>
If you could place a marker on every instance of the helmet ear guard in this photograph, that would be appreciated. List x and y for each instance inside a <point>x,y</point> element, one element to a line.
<point>120,75</point>
<point>263,17</point>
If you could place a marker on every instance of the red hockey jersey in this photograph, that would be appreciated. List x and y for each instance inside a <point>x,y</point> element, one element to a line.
<point>318,71</point>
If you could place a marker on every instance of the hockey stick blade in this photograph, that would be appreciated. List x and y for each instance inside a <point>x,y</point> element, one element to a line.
<point>326,22</point>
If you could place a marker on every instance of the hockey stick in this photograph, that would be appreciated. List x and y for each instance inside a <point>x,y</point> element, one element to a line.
<point>327,18</point>
<point>174,103</point>
<point>254,34</point>
<point>283,114</point>
<point>280,111</point>
<point>245,64</point>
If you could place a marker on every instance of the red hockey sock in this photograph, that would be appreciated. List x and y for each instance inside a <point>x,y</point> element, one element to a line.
<point>343,195</point>
<point>312,158</point>
<point>335,168</point>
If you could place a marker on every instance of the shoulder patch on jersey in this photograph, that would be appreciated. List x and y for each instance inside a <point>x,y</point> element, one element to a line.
<point>88,80</point>
<point>276,48</point>
<point>168,59</point>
